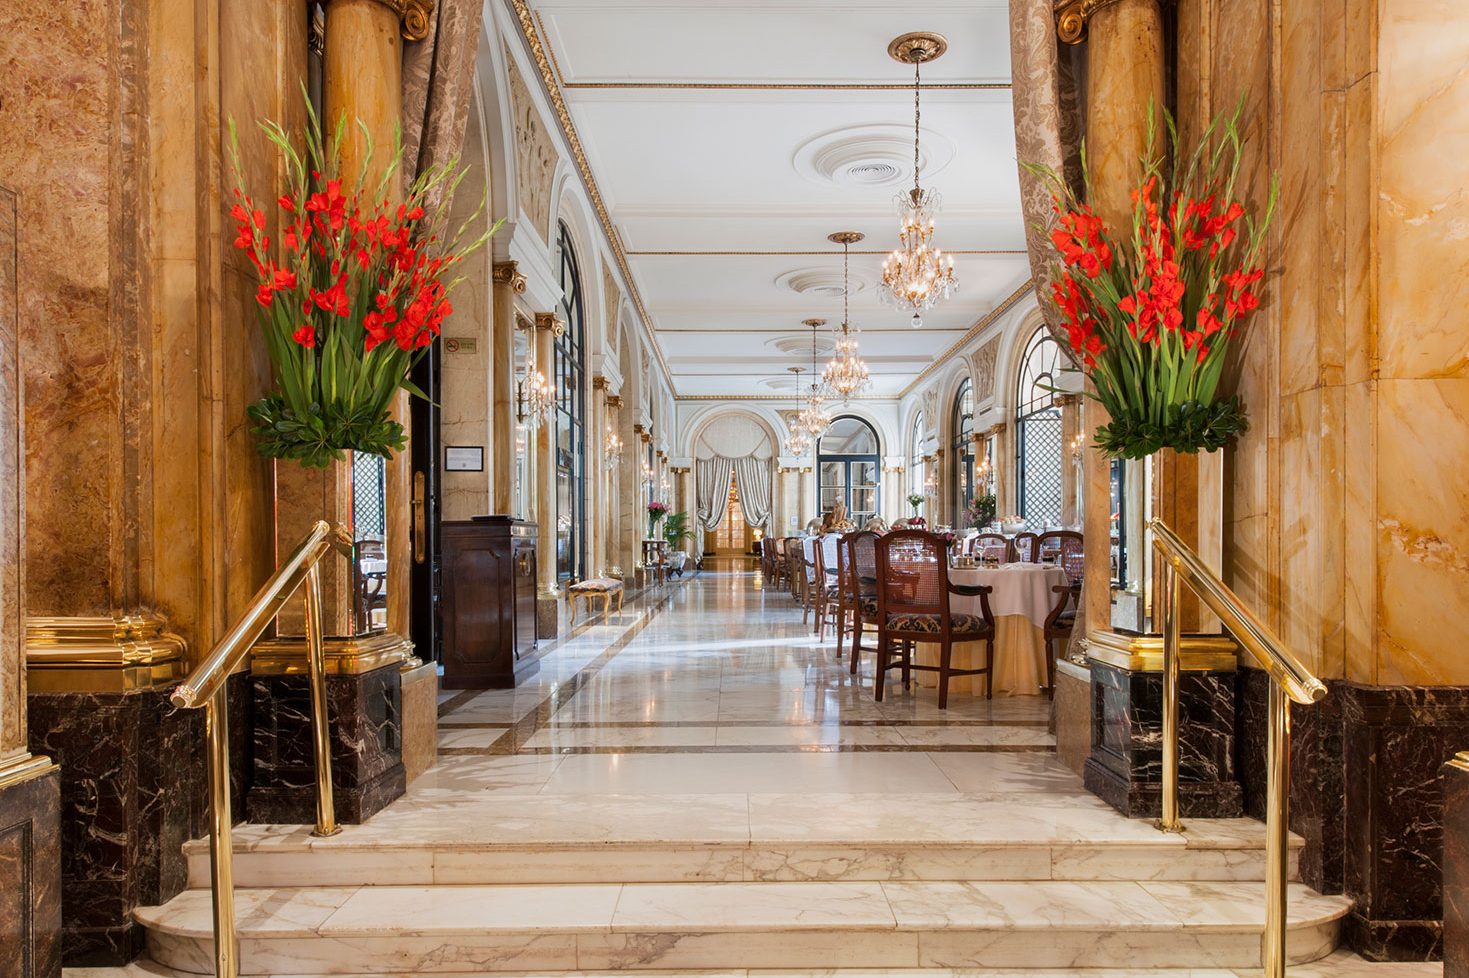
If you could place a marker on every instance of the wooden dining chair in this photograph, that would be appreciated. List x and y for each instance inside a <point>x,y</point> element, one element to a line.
<point>1026,548</point>
<point>861,588</point>
<point>913,591</point>
<point>992,545</point>
<point>824,590</point>
<point>1068,548</point>
<point>793,561</point>
<point>1058,626</point>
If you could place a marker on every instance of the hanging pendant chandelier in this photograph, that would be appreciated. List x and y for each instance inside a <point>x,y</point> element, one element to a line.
<point>845,373</point>
<point>917,275</point>
<point>813,418</point>
<point>797,443</point>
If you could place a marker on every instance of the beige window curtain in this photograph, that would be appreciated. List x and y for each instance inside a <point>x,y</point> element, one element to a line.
<point>712,488</point>
<point>754,482</point>
<point>1043,85</point>
<point>438,80</point>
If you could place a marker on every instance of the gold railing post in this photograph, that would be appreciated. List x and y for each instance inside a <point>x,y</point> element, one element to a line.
<point>1272,952</point>
<point>221,863</point>
<point>1170,601</point>
<point>326,812</point>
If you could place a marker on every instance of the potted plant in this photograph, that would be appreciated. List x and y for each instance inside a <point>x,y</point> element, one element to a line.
<point>676,529</point>
<point>980,512</point>
<point>350,296</point>
<point>656,512</point>
<point>1151,310</point>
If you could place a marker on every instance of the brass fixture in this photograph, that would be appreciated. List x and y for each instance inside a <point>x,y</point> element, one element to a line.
<point>1290,681</point>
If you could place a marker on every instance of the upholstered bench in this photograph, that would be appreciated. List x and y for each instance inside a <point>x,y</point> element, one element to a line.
<point>596,587</point>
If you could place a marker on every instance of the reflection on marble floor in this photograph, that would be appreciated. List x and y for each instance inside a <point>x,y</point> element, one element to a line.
<point>726,669</point>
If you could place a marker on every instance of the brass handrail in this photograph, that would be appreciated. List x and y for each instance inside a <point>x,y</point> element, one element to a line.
<point>1289,680</point>
<point>205,687</point>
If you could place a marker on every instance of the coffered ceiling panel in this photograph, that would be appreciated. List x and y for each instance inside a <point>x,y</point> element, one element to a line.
<point>730,137</point>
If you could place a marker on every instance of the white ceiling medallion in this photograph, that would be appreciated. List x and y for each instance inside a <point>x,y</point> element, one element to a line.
<point>781,383</point>
<point>823,283</point>
<point>800,344</point>
<point>866,157</point>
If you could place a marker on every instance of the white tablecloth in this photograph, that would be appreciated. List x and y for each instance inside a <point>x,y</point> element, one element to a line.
<point>1019,589</point>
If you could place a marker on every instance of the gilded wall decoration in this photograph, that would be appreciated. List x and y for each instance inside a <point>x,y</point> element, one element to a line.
<point>535,155</point>
<point>984,370</point>
<point>612,302</point>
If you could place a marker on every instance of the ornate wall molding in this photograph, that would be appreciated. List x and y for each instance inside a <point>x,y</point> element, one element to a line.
<point>101,654</point>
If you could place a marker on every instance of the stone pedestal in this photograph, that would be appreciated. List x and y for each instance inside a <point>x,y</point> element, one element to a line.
<point>1456,867</point>
<point>365,711</point>
<point>420,719</point>
<point>30,869</point>
<point>132,793</point>
<point>1371,797</point>
<point>1072,714</point>
<point>1126,759</point>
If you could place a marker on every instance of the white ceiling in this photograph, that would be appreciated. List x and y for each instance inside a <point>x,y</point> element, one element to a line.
<point>715,127</point>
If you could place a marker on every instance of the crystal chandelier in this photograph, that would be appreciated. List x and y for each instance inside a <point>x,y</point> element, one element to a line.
<point>813,418</point>
<point>845,373</point>
<point>797,443</point>
<point>917,275</point>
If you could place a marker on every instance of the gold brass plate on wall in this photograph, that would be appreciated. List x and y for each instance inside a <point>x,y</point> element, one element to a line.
<point>98,654</point>
<point>344,656</point>
<point>1144,653</point>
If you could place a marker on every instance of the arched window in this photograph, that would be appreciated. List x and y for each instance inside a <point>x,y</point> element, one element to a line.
<point>1038,431</point>
<point>570,446</point>
<point>847,458</point>
<point>915,460</point>
<point>962,489</point>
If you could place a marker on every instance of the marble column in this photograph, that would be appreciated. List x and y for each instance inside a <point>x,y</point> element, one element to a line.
<point>1003,473</point>
<point>1070,405</point>
<point>30,784</point>
<point>597,500</point>
<point>548,327</point>
<point>943,492</point>
<point>506,283</point>
<point>617,565</point>
<point>804,481</point>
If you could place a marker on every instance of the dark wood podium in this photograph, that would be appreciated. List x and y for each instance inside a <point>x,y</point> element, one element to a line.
<point>489,602</point>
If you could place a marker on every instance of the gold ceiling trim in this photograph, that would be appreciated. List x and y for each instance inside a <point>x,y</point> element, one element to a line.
<point>540,53</point>
<point>773,396</point>
<point>970,334</point>
<point>825,253</point>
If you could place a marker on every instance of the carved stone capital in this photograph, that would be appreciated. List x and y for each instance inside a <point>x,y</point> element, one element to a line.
<point>1072,17</point>
<point>614,401</point>
<point>1068,400</point>
<point>550,321</point>
<point>599,383</point>
<point>508,273</point>
<point>414,16</point>
<point>638,428</point>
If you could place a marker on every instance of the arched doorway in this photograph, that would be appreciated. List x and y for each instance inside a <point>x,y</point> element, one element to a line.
<point>733,537</point>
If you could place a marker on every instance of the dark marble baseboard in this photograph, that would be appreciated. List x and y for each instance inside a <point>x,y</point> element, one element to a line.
<point>1367,793</point>
<point>366,717</point>
<point>132,793</point>
<point>1126,760</point>
<point>30,877</point>
<point>1456,870</point>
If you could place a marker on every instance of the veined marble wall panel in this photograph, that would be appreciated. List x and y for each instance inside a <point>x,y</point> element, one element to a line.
<point>466,378</point>
<point>12,526</point>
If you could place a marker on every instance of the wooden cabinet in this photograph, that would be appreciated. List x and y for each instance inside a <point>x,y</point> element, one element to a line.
<point>489,602</point>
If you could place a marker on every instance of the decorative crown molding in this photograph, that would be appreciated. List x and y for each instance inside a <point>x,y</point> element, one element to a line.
<point>508,273</point>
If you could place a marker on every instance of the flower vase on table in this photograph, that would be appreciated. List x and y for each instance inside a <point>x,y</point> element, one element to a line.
<point>656,512</point>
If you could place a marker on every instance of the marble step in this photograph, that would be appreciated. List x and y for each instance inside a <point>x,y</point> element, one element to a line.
<point>751,838</point>
<point>465,929</point>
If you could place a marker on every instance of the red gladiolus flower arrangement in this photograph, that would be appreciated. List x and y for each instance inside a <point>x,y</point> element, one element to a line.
<point>1150,312</point>
<point>350,296</point>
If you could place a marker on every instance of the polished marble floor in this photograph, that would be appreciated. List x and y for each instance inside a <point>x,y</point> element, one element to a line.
<point>700,762</point>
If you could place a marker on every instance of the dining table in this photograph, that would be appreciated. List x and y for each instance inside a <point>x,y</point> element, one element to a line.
<point>1021,599</point>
